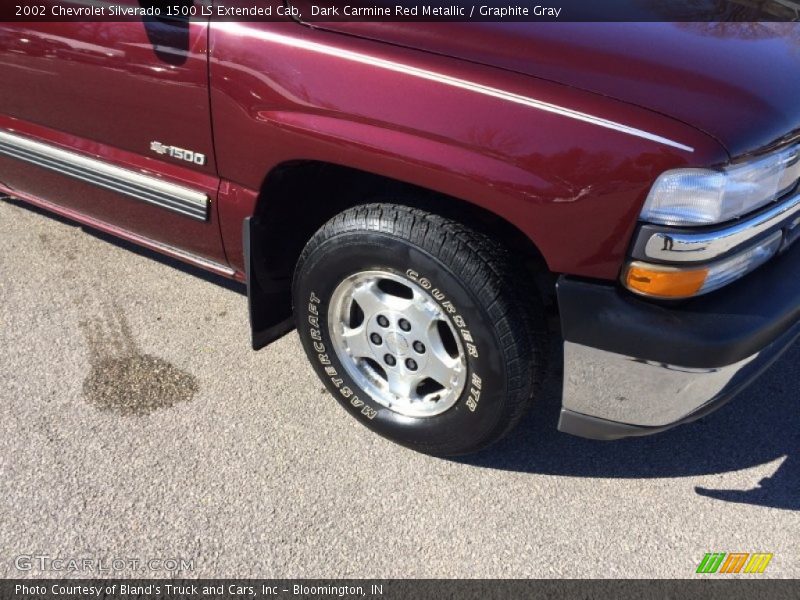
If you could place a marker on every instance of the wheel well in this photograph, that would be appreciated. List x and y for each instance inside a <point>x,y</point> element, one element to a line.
<point>297,198</point>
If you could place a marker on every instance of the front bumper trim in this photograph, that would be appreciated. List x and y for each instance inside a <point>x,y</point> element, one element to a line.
<point>633,367</point>
<point>629,397</point>
<point>671,245</point>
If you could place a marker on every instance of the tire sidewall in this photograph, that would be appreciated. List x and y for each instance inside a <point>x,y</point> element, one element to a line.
<point>477,413</point>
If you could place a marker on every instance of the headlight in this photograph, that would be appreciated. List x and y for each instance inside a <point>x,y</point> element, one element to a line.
<point>687,197</point>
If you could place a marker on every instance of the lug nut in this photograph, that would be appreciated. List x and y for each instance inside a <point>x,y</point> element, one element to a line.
<point>411,364</point>
<point>390,360</point>
<point>376,339</point>
<point>419,347</point>
<point>404,325</point>
<point>383,321</point>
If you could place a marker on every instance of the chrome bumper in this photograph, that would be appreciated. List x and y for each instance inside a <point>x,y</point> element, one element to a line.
<point>629,396</point>
<point>633,367</point>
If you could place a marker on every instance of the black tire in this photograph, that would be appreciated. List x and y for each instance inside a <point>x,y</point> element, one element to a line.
<point>503,316</point>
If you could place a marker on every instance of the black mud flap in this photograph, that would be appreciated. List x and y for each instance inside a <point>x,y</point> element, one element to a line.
<point>269,300</point>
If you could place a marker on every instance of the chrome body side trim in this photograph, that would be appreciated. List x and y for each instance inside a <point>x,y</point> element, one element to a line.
<point>183,200</point>
<point>634,393</point>
<point>686,246</point>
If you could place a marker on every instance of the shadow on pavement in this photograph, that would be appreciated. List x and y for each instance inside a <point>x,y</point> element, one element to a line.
<point>759,426</point>
<point>782,490</point>
<point>187,268</point>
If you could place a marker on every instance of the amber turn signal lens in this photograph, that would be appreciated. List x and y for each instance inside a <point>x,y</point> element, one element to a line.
<point>664,282</point>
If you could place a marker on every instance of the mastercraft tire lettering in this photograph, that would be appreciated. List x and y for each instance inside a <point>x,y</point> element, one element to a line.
<point>407,319</point>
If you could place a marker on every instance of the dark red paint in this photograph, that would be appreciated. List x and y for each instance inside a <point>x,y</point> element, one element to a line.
<point>256,96</point>
<point>737,81</point>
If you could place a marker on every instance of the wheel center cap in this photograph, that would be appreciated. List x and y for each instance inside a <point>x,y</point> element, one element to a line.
<point>397,344</point>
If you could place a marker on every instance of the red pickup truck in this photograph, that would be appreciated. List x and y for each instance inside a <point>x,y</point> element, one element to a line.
<point>418,199</point>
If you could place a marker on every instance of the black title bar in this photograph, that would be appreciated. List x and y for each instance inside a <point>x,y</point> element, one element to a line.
<point>732,588</point>
<point>310,11</point>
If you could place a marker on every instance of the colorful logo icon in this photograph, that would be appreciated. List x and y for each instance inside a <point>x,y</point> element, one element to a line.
<point>734,562</point>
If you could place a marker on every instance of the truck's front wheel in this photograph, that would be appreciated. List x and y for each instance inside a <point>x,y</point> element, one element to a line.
<point>419,327</point>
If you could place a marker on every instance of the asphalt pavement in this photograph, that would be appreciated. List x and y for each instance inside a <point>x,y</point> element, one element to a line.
<point>136,423</point>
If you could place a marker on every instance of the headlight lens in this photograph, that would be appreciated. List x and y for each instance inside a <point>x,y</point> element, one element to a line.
<point>660,281</point>
<point>687,197</point>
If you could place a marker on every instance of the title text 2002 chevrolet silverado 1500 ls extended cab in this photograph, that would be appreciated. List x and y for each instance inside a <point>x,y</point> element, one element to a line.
<point>415,198</point>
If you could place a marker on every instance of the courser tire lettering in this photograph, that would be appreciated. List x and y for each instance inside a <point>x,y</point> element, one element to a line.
<point>468,281</point>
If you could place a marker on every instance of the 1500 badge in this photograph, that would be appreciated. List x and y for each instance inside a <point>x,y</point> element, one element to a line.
<point>178,153</point>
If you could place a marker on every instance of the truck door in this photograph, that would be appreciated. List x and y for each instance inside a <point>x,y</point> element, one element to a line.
<point>112,121</point>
